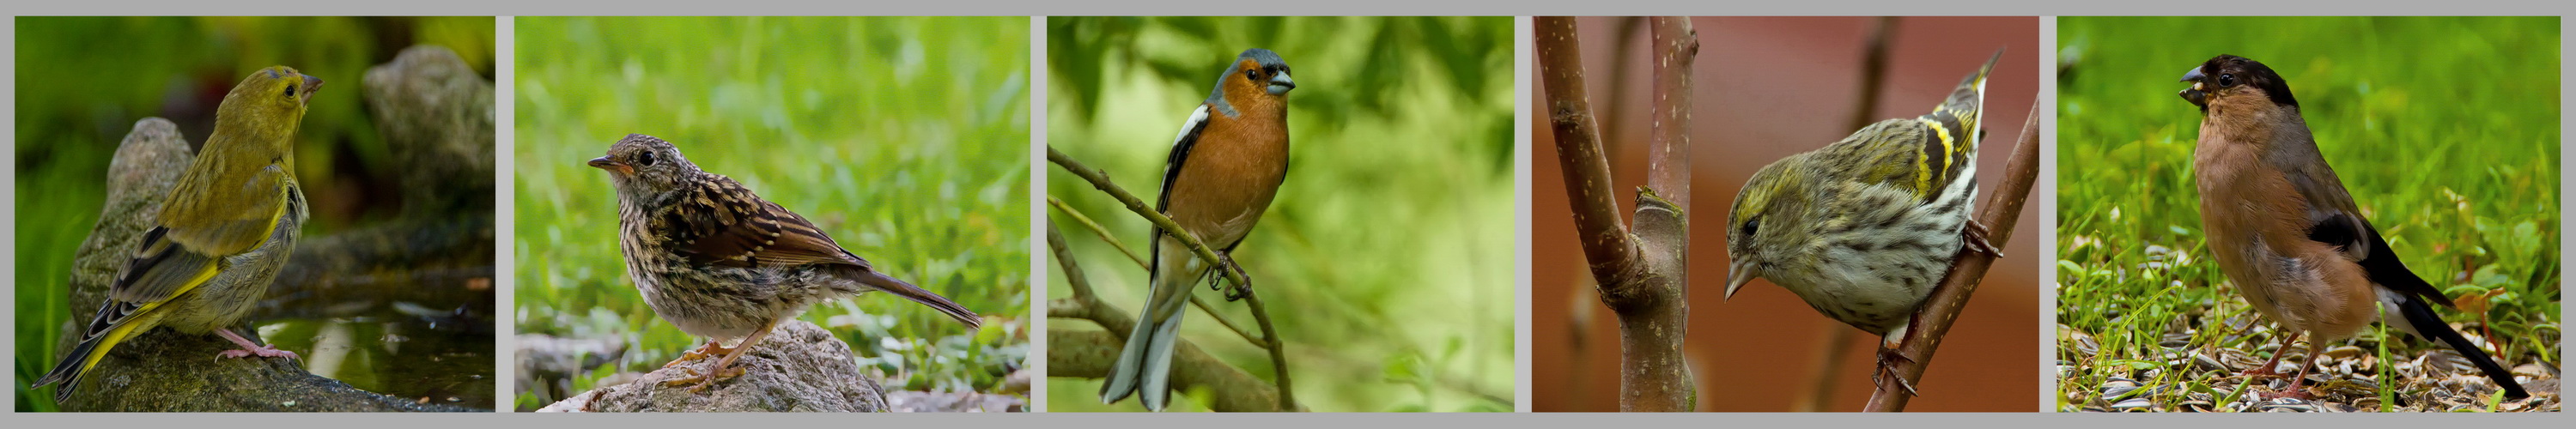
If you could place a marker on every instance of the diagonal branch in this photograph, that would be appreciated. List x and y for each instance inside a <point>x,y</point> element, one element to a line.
<point>1260,313</point>
<point>1087,354</point>
<point>1578,150</point>
<point>1999,213</point>
<point>1103,233</point>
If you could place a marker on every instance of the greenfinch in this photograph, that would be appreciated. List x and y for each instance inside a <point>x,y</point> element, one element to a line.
<point>226,227</point>
<point>1862,228</point>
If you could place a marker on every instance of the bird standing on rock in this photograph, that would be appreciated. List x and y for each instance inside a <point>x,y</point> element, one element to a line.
<point>227,226</point>
<point>719,262</point>
<point>2288,234</point>
<point>1226,165</point>
<point>1862,228</point>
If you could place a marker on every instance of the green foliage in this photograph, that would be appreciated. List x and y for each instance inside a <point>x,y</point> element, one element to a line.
<point>84,81</point>
<point>904,138</point>
<point>2445,129</point>
<point>1386,261</point>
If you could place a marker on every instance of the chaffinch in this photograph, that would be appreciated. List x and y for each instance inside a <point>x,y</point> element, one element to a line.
<point>1225,166</point>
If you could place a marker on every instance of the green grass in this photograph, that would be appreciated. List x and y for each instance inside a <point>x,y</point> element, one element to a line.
<point>1385,262</point>
<point>906,139</point>
<point>2445,129</point>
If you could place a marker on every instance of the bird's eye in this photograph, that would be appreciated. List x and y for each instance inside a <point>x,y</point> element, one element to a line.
<point>644,159</point>
<point>1253,74</point>
<point>1752,225</point>
<point>2226,79</point>
<point>290,90</point>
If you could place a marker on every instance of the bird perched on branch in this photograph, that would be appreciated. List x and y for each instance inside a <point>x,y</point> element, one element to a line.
<point>1864,227</point>
<point>1225,166</point>
<point>719,262</point>
<point>227,226</point>
<point>2287,233</point>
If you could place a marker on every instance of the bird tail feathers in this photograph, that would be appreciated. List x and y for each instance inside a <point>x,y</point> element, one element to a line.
<point>2421,320</point>
<point>890,285</point>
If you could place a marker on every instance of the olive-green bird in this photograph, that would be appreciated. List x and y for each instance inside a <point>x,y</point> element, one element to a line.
<point>1862,228</point>
<point>222,233</point>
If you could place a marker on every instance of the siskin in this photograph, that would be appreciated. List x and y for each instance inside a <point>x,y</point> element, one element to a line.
<point>1862,228</point>
<point>226,227</point>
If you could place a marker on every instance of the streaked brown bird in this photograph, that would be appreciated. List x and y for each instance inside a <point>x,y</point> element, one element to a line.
<point>2287,233</point>
<point>720,262</point>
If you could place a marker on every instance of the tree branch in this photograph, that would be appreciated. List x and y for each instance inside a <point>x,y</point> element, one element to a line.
<point>1260,313</point>
<point>1104,235</point>
<point>1578,150</point>
<point>1642,277</point>
<point>2000,212</point>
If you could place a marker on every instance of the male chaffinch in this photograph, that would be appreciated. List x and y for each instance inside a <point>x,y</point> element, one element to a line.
<point>2288,234</point>
<point>1225,167</point>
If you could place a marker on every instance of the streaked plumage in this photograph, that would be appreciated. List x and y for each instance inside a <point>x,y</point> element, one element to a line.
<point>226,227</point>
<point>1863,228</point>
<point>1225,166</point>
<point>718,261</point>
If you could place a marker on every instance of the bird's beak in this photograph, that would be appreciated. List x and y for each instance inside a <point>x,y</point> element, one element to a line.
<point>1279,85</point>
<point>311,85</point>
<point>1737,274</point>
<point>2196,95</point>
<point>604,163</point>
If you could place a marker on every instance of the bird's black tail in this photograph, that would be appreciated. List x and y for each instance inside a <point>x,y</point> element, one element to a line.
<point>2420,315</point>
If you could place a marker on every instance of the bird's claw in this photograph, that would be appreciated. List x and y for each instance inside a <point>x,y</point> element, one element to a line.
<point>712,349</point>
<point>1233,291</point>
<point>261,351</point>
<point>703,381</point>
<point>1886,367</point>
<point>1975,235</point>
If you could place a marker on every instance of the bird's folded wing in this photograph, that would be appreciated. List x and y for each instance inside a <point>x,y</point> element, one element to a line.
<point>208,218</point>
<point>723,223</point>
<point>2335,220</point>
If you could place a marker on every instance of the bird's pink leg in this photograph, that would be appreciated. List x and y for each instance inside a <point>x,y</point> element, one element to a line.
<point>2267,371</point>
<point>249,348</point>
<point>2299,386</point>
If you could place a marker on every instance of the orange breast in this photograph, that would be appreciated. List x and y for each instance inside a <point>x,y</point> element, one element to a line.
<point>1231,176</point>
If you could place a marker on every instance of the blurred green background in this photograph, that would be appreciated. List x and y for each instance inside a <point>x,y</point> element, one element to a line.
<point>84,81</point>
<point>2445,129</point>
<point>906,139</point>
<point>1386,261</point>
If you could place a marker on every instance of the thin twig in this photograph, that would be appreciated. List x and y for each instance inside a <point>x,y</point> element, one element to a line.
<point>1087,354</point>
<point>1195,301</point>
<point>1100,180</point>
<point>2000,212</point>
<point>1260,315</point>
<point>1278,349</point>
<point>1095,227</point>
